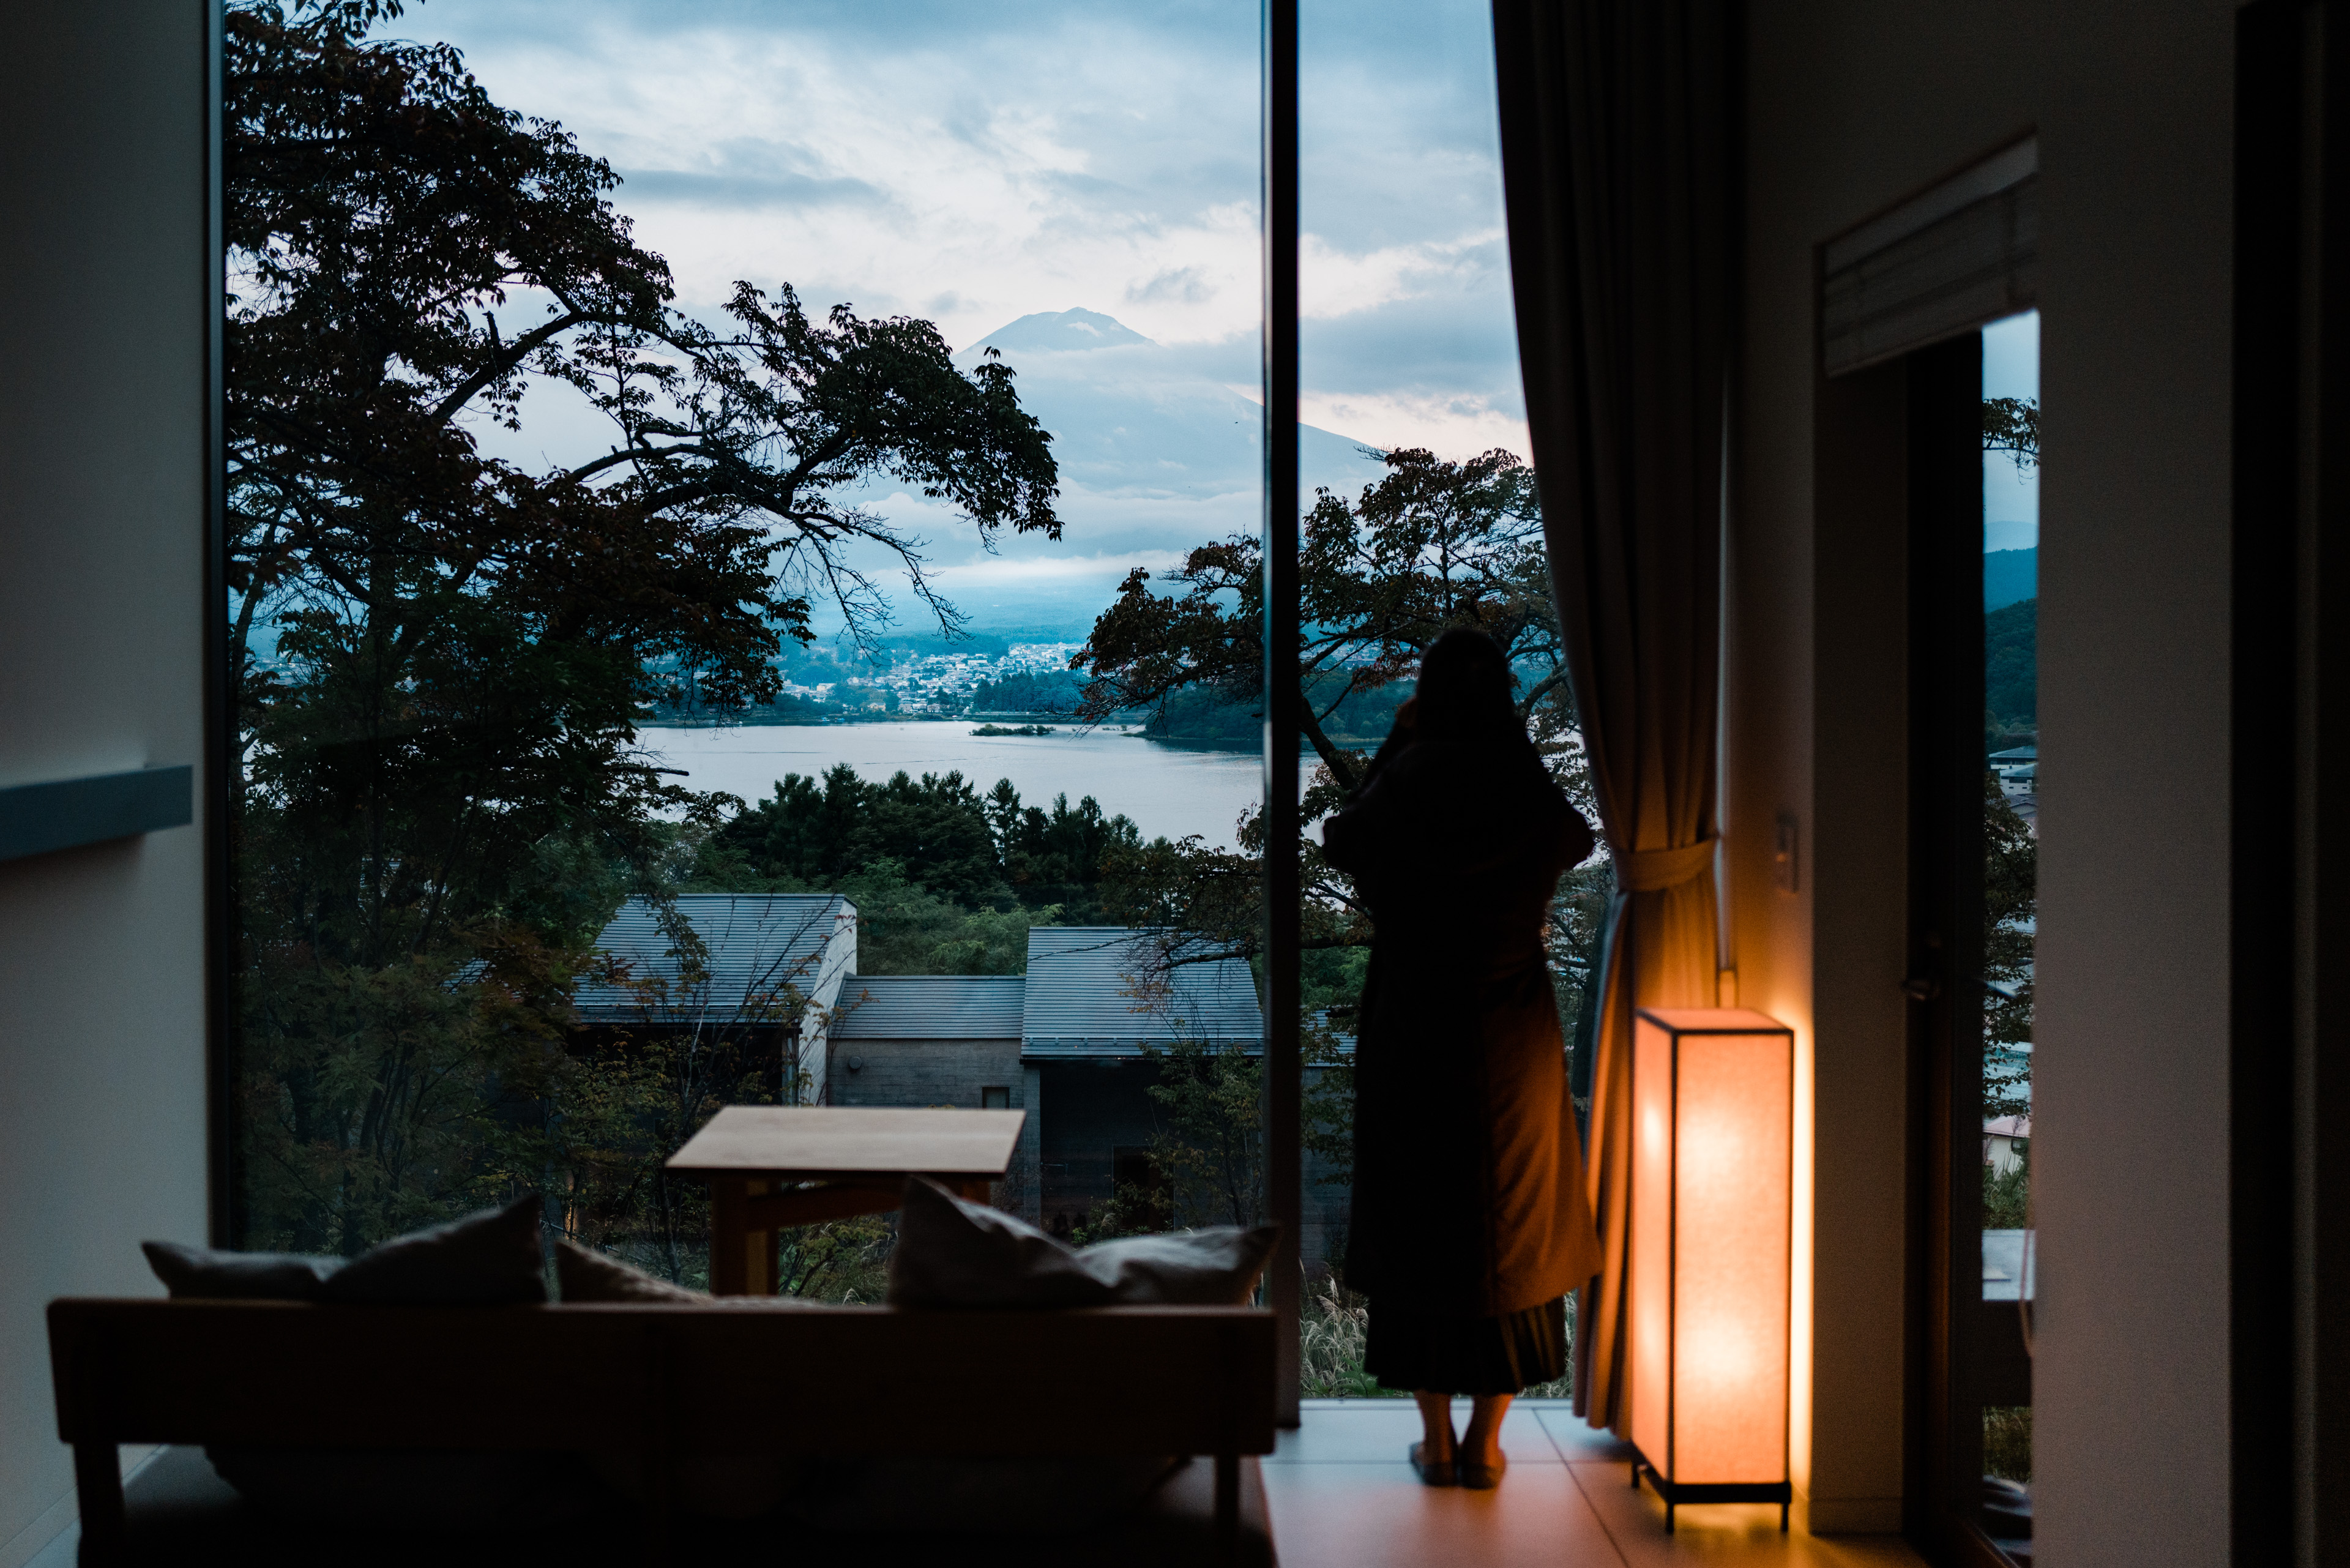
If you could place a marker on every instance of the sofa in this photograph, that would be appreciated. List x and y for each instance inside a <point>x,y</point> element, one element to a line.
<point>659,1393</point>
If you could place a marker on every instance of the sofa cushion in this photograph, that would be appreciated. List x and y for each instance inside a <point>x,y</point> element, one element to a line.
<point>584,1274</point>
<point>205,1274</point>
<point>952,1253</point>
<point>485,1259</point>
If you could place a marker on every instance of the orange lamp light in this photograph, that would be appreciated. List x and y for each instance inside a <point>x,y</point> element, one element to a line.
<point>1712,1205</point>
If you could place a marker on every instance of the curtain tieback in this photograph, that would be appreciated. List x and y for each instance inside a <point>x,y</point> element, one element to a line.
<point>1654,870</point>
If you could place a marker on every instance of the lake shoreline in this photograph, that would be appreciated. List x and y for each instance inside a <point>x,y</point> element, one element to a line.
<point>1168,788</point>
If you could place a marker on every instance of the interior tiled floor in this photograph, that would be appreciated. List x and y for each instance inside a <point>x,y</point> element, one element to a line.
<point>1343,1496</point>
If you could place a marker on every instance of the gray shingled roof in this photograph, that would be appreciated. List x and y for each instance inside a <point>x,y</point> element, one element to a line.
<point>928,1007</point>
<point>758,944</point>
<point>1096,991</point>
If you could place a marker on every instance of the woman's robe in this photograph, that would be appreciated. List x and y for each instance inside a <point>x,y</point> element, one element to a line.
<point>1469,1197</point>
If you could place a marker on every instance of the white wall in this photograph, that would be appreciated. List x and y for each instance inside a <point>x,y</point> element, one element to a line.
<point>1854,105</point>
<point>103,259</point>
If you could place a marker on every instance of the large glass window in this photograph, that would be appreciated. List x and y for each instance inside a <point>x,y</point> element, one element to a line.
<point>675,461</point>
<point>2003,1380</point>
<point>746,543</point>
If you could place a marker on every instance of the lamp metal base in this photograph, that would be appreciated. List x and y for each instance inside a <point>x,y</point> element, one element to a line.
<point>1674,1493</point>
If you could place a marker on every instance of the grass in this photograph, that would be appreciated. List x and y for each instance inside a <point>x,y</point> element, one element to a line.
<point>2007,1442</point>
<point>1333,1324</point>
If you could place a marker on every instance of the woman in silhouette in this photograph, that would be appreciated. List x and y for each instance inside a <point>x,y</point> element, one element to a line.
<point>1470,1217</point>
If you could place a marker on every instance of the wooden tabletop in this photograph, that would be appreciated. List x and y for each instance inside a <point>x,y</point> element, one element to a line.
<point>819,1141</point>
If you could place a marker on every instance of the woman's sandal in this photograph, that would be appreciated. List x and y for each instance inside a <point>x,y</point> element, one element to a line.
<point>1482,1478</point>
<point>1438,1474</point>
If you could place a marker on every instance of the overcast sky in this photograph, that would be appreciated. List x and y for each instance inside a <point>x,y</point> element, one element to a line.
<point>975,162</point>
<point>2011,491</point>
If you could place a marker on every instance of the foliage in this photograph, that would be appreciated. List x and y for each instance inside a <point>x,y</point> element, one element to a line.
<point>980,852</point>
<point>442,799</point>
<point>1432,545</point>
<point>1029,691</point>
<point>2012,666</point>
<point>2013,425</point>
<point>1206,713</point>
<point>903,929</point>
<point>2007,1194</point>
<point>2011,914</point>
<point>1210,1149</point>
<point>2007,1442</point>
<point>1332,1330</point>
<point>844,1261</point>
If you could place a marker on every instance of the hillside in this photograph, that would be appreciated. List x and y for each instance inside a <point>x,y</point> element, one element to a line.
<point>2011,664</point>
<point>2010,576</point>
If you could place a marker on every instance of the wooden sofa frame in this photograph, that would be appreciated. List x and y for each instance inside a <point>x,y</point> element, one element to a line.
<point>657,1380</point>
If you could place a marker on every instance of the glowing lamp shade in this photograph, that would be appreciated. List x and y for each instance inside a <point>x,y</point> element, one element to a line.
<point>1713,1153</point>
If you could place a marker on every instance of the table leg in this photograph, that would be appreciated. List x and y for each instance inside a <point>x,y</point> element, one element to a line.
<point>974,1189</point>
<point>759,1244</point>
<point>728,1251</point>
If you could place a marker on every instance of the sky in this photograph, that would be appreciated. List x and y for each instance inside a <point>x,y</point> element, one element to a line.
<point>2010,368</point>
<point>975,165</point>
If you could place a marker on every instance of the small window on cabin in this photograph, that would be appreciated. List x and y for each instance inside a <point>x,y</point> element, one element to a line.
<point>995,1099</point>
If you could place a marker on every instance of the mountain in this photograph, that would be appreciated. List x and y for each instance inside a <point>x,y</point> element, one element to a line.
<point>1059,331</point>
<point>2010,576</point>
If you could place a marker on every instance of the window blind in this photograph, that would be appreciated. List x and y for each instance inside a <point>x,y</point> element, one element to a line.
<point>1943,263</point>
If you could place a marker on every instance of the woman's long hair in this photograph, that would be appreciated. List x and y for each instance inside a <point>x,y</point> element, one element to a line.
<point>1465,696</point>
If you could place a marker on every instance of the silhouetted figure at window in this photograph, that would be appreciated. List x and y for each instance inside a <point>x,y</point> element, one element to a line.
<point>1470,1219</point>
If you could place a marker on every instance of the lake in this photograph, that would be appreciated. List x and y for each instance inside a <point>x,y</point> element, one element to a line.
<point>1170,789</point>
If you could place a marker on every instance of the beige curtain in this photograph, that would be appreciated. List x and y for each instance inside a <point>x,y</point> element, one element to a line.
<point>1616,121</point>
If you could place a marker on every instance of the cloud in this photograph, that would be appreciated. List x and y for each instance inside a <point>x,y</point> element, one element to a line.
<point>1453,426</point>
<point>1188,284</point>
<point>975,165</point>
<point>987,570</point>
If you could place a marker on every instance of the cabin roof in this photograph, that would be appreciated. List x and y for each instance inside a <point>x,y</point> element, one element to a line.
<point>930,1007</point>
<point>1102,991</point>
<point>761,949</point>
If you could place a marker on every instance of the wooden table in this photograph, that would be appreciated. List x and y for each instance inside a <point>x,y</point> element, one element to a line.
<point>774,1166</point>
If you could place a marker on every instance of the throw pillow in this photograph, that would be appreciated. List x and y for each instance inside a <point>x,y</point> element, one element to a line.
<point>483,1259</point>
<point>201,1274</point>
<point>952,1253</point>
<point>584,1274</point>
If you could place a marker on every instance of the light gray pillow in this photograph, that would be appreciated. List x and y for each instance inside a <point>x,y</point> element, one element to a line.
<point>201,1273</point>
<point>483,1260</point>
<point>952,1253</point>
<point>584,1274</point>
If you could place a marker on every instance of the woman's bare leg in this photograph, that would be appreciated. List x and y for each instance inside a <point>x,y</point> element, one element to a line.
<point>1481,1443</point>
<point>1436,1416</point>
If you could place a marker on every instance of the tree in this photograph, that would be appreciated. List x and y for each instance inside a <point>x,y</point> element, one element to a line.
<point>1431,545</point>
<point>2011,914</point>
<point>943,835</point>
<point>440,656</point>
